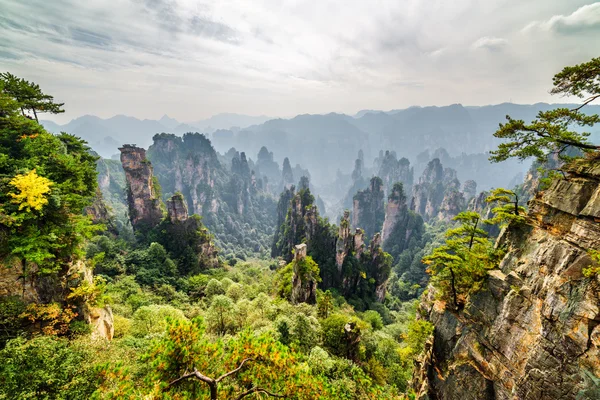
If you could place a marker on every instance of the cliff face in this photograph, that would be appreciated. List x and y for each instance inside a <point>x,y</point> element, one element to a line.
<point>392,170</point>
<point>304,285</point>
<point>225,191</point>
<point>437,195</point>
<point>368,209</point>
<point>534,331</point>
<point>188,165</point>
<point>44,289</point>
<point>144,204</point>
<point>345,262</point>
<point>400,224</point>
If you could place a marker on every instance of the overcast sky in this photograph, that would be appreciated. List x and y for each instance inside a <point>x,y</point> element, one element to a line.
<point>193,59</point>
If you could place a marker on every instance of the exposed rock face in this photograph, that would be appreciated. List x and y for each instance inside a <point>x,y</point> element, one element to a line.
<point>144,204</point>
<point>287,175</point>
<point>469,189</point>
<point>304,286</point>
<point>176,208</point>
<point>100,318</point>
<point>401,224</point>
<point>452,204</point>
<point>188,165</point>
<point>368,209</point>
<point>392,170</point>
<point>396,206</point>
<point>534,333</point>
<point>55,289</point>
<point>342,246</point>
<point>481,206</point>
<point>300,222</point>
<point>437,186</point>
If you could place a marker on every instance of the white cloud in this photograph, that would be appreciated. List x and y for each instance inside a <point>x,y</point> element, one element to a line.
<point>490,43</point>
<point>585,17</point>
<point>192,59</point>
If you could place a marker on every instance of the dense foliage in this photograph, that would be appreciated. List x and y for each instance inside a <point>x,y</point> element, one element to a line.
<point>45,183</point>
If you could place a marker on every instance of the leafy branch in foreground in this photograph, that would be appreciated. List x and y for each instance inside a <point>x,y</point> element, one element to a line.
<point>554,131</point>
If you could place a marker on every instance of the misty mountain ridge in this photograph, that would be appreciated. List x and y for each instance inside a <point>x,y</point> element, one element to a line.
<point>332,141</point>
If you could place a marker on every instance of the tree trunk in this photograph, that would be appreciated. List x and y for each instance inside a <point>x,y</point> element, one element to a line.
<point>453,288</point>
<point>213,391</point>
<point>35,114</point>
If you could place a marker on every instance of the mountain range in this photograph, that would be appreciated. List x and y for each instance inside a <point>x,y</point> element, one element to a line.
<point>332,141</point>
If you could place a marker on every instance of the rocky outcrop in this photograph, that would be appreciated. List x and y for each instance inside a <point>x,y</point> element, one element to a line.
<point>391,170</point>
<point>187,165</point>
<point>452,204</point>
<point>437,195</point>
<point>176,208</point>
<point>479,205</point>
<point>142,197</point>
<point>401,225</point>
<point>368,208</point>
<point>469,189</point>
<point>299,221</point>
<point>32,287</point>
<point>534,331</point>
<point>287,175</point>
<point>344,241</point>
<point>304,285</point>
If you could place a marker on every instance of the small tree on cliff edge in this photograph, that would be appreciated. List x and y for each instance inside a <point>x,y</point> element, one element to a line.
<point>458,265</point>
<point>554,131</point>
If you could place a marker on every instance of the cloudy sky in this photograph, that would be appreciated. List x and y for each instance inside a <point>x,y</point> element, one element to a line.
<point>193,59</point>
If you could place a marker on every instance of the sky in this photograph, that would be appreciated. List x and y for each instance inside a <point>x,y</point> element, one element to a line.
<point>193,59</point>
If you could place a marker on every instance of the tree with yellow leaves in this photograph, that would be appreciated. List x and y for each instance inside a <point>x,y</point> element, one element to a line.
<point>33,190</point>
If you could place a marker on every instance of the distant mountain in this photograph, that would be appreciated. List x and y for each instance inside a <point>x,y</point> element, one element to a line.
<point>227,121</point>
<point>169,122</point>
<point>106,135</point>
<point>331,142</point>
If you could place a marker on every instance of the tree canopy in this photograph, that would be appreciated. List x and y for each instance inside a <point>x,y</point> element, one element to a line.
<point>558,130</point>
<point>29,96</point>
<point>46,181</point>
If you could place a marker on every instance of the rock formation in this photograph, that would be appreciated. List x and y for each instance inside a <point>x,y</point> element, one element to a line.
<point>287,175</point>
<point>534,331</point>
<point>344,241</point>
<point>400,224</point>
<point>304,285</point>
<point>437,187</point>
<point>144,202</point>
<point>44,289</point>
<point>368,208</point>
<point>469,189</point>
<point>392,170</point>
<point>345,262</point>
<point>452,204</point>
<point>481,206</point>
<point>176,208</point>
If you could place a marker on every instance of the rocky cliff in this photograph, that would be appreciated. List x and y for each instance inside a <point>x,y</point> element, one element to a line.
<point>142,197</point>
<point>391,170</point>
<point>368,209</point>
<point>533,332</point>
<point>32,287</point>
<point>437,194</point>
<point>401,225</point>
<point>345,262</point>
<point>304,285</point>
<point>224,190</point>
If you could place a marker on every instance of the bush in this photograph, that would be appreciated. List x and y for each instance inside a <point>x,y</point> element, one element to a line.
<point>148,320</point>
<point>45,368</point>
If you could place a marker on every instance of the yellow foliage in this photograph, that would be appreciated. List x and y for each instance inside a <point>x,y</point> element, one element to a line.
<point>32,188</point>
